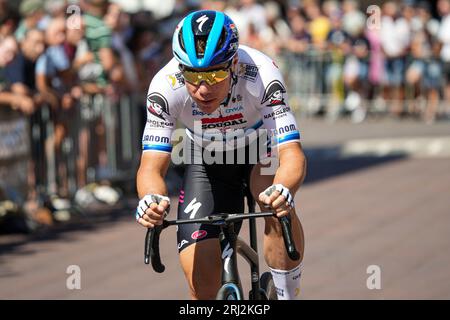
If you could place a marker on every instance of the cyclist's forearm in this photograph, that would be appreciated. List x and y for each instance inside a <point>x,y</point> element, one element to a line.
<point>150,183</point>
<point>292,169</point>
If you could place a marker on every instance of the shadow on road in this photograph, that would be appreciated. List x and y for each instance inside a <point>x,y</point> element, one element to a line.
<point>88,222</point>
<point>322,165</point>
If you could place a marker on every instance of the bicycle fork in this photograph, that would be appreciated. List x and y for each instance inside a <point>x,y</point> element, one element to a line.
<point>229,247</point>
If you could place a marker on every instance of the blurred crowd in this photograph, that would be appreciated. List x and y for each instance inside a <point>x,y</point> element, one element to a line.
<point>55,52</point>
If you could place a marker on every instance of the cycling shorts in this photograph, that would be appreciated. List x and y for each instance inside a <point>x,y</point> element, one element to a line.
<point>210,189</point>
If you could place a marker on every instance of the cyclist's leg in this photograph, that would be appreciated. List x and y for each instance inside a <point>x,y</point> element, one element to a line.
<point>202,268</point>
<point>274,249</point>
<point>206,190</point>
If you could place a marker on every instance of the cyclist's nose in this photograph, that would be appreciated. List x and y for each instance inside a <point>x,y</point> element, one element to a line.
<point>204,89</point>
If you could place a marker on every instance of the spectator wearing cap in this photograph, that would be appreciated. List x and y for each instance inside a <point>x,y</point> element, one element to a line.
<point>32,12</point>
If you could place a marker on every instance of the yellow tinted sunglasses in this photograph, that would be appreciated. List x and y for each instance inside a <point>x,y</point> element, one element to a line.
<point>211,77</point>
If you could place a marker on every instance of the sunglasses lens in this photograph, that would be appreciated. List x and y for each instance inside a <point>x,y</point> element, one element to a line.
<point>211,77</point>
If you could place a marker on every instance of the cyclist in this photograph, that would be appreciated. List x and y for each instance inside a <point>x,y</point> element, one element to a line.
<point>214,86</point>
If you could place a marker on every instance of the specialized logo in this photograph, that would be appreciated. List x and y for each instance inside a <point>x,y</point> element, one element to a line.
<point>226,255</point>
<point>274,94</point>
<point>175,80</point>
<point>201,22</point>
<point>157,105</point>
<point>248,71</point>
<point>192,208</point>
<point>199,234</point>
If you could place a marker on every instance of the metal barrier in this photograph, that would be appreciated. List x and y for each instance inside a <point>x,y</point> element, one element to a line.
<point>103,137</point>
<point>315,81</point>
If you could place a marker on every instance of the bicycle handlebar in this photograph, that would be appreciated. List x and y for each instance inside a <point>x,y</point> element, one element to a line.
<point>151,252</point>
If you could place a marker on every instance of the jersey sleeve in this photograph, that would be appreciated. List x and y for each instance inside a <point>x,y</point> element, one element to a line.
<point>161,117</point>
<point>277,116</point>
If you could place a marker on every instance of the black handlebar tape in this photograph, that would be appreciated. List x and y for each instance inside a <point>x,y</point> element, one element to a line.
<point>152,249</point>
<point>287,236</point>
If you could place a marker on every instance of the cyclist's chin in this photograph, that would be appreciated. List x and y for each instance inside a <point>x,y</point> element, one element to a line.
<point>208,106</point>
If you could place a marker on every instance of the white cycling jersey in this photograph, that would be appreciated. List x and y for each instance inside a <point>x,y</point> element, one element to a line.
<point>257,100</point>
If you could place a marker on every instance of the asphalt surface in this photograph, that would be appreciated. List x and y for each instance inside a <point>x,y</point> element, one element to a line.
<point>358,209</point>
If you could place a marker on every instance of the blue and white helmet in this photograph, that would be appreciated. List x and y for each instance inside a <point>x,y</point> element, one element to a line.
<point>205,38</point>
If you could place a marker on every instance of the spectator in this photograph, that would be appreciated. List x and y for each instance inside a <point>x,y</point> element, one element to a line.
<point>395,40</point>
<point>300,40</point>
<point>338,46</point>
<point>21,71</point>
<point>277,32</point>
<point>319,25</point>
<point>444,38</point>
<point>9,19</point>
<point>356,71</point>
<point>8,51</point>
<point>53,80</point>
<point>98,40</point>
<point>353,19</point>
<point>32,12</point>
<point>117,21</point>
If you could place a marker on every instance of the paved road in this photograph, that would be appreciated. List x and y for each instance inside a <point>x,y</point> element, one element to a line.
<point>392,212</point>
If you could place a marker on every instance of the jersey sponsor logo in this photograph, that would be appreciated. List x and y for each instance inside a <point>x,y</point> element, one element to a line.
<point>201,21</point>
<point>175,80</point>
<point>234,109</point>
<point>248,71</point>
<point>199,234</point>
<point>159,124</point>
<point>287,129</point>
<point>152,138</point>
<point>196,112</point>
<point>279,113</point>
<point>223,122</point>
<point>182,243</point>
<point>274,94</point>
<point>157,105</point>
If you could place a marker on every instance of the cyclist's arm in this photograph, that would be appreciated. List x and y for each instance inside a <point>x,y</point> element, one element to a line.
<point>156,139</point>
<point>280,121</point>
<point>292,169</point>
<point>151,173</point>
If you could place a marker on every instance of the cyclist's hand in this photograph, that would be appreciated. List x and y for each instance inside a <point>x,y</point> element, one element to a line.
<point>152,209</point>
<point>279,199</point>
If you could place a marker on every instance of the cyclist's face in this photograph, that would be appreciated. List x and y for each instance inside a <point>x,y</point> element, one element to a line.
<point>208,97</point>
